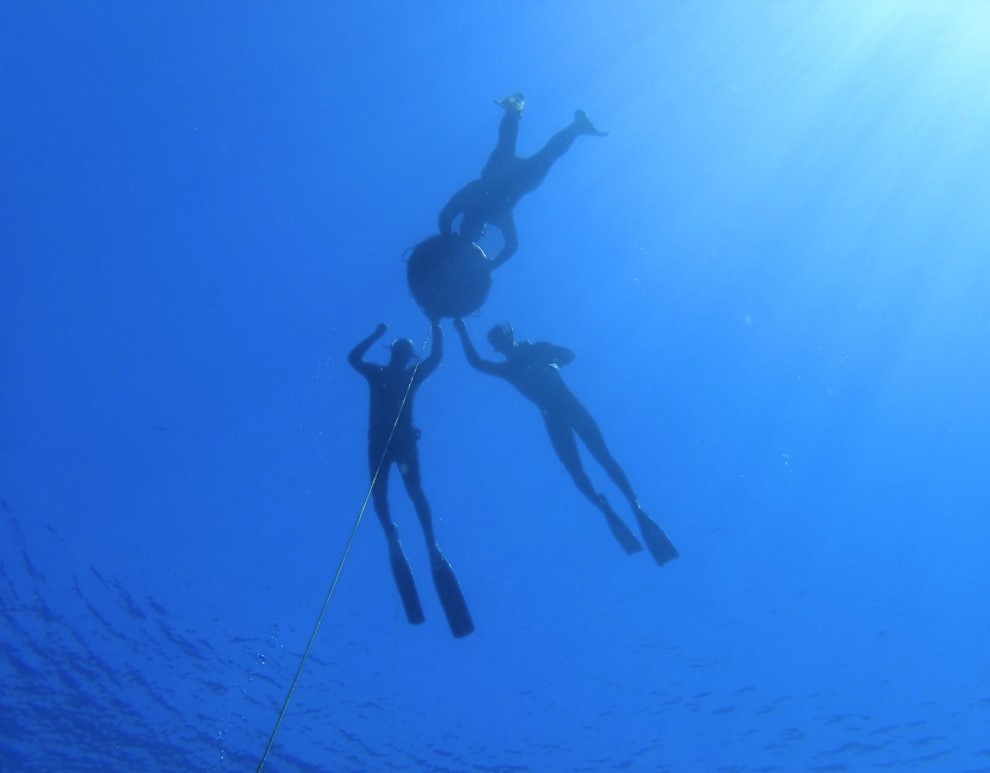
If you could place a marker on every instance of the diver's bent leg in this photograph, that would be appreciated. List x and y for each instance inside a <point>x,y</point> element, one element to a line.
<point>530,172</point>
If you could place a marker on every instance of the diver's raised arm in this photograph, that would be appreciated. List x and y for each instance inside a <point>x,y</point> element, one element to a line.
<point>474,360</point>
<point>511,244</point>
<point>356,356</point>
<point>451,209</point>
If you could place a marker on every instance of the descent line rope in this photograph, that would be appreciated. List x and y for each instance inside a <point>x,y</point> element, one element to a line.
<point>343,558</point>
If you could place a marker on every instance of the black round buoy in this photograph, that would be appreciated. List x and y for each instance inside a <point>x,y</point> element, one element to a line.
<point>448,276</point>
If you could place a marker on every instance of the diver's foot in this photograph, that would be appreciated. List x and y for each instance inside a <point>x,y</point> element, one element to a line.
<point>584,125</point>
<point>657,542</point>
<point>513,102</point>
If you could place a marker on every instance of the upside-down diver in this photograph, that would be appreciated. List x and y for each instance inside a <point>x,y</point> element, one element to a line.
<point>506,178</point>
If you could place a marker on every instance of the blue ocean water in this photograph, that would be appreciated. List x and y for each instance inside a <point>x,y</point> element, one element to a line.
<point>773,272</point>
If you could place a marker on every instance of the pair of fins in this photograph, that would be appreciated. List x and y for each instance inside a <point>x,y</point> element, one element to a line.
<point>514,103</point>
<point>448,590</point>
<point>657,542</point>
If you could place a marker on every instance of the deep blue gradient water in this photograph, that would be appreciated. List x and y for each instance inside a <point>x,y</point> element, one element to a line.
<point>774,272</point>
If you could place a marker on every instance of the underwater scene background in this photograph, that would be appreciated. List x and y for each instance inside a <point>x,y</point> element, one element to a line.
<point>773,272</point>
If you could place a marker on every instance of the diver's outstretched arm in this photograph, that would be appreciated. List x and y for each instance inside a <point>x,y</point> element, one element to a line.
<point>485,366</point>
<point>356,356</point>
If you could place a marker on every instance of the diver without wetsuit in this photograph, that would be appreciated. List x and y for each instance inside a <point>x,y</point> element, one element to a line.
<point>390,385</point>
<point>534,369</point>
<point>506,178</point>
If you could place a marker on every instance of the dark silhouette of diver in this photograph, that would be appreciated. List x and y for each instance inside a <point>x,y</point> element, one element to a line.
<point>534,369</point>
<point>506,178</point>
<point>392,440</point>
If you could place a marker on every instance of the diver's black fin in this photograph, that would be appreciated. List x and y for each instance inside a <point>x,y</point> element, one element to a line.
<point>451,598</point>
<point>585,126</point>
<point>657,542</point>
<point>407,586</point>
<point>623,533</point>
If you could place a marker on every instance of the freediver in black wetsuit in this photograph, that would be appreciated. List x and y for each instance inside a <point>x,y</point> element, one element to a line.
<point>393,387</point>
<point>506,178</point>
<point>534,369</point>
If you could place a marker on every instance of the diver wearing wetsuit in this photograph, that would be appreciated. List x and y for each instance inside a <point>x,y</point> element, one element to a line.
<point>506,178</point>
<point>534,369</point>
<point>392,388</point>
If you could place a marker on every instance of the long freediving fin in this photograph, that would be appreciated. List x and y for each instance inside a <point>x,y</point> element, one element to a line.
<point>451,598</point>
<point>657,542</point>
<point>584,125</point>
<point>407,586</point>
<point>623,534</point>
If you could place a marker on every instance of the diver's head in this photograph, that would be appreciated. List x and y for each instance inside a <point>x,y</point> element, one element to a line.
<point>402,351</point>
<point>501,337</point>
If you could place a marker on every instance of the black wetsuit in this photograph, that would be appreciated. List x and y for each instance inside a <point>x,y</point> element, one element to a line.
<point>387,388</point>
